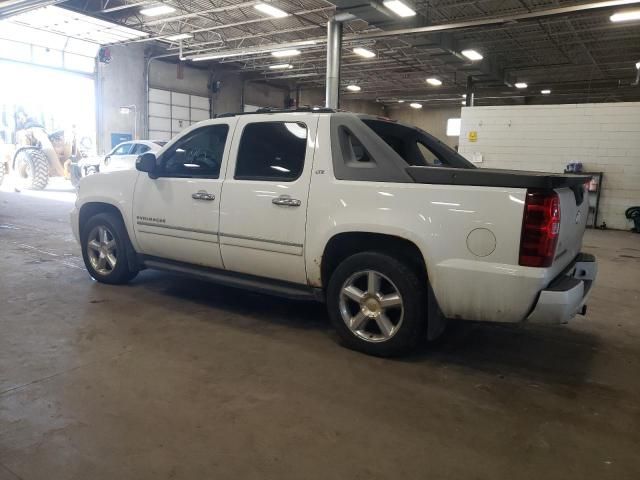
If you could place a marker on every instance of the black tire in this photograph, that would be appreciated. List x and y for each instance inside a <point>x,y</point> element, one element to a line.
<point>32,169</point>
<point>122,272</point>
<point>412,289</point>
<point>90,170</point>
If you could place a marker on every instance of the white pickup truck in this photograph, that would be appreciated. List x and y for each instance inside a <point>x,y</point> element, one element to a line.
<point>389,226</point>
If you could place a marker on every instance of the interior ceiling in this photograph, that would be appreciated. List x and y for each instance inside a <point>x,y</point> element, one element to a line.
<point>50,23</point>
<point>581,56</point>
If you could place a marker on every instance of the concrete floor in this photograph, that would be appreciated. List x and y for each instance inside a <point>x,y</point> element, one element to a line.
<point>175,378</point>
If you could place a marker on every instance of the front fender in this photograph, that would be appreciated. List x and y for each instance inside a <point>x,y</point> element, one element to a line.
<point>114,189</point>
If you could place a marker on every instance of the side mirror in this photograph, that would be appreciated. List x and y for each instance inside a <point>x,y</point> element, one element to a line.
<point>147,163</point>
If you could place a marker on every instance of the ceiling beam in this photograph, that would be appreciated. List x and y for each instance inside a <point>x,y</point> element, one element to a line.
<point>522,17</point>
<point>518,17</point>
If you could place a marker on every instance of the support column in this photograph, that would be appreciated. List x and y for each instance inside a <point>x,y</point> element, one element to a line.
<point>470,100</point>
<point>334,53</point>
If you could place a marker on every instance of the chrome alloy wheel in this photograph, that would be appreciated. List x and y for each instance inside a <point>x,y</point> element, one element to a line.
<point>101,250</point>
<point>371,306</point>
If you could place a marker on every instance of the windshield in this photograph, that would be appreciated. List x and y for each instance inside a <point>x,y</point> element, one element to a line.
<point>417,147</point>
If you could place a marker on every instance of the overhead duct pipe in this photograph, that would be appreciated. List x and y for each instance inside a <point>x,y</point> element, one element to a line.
<point>15,7</point>
<point>334,55</point>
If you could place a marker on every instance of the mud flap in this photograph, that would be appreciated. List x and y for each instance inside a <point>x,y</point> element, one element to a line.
<point>437,322</point>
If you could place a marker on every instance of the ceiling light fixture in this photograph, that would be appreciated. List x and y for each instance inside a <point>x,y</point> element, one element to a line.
<point>464,102</point>
<point>464,95</point>
<point>472,55</point>
<point>638,66</point>
<point>400,101</point>
<point>241,52</point>
<point>363,52</point>
<point>286,53</point>
<point>270,10</point>
<point>157,10</point>
<point>545,92</point>
<point>280,66</point>
<point>434,81</point>
<point>179,36</point>
<point>627,16</point>
<point>399,8</point>
<point>521,85</point>
<point>353,88</point>
<point>415,105</point>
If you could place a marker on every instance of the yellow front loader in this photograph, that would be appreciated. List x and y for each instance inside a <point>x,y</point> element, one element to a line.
<point>36,157</point>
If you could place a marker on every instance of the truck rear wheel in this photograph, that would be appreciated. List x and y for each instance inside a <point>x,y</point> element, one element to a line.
<point>32,169</point>
<point>377,304</point>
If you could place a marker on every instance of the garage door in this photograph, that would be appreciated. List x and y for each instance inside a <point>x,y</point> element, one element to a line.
<point>171,112</point>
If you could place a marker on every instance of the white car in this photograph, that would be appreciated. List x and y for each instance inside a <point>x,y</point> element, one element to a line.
<point>123,156</point>
<point>390,227</point>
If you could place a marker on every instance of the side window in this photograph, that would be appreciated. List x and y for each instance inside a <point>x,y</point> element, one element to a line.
<point>430,158</point>
<point>122,149</point>
<point>199,154</point>
<point>358,152</point>
<point>139,149</point>
<point>353,152</point>
<point>272,151</point>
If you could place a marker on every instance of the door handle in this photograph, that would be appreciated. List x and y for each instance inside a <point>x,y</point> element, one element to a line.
<point>202,195</point>
<point>286,201</point>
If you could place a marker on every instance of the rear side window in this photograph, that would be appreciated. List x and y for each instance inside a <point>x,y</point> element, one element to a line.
<point>272,151</point>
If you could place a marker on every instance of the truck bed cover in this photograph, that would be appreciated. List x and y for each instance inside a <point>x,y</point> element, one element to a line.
<point>490,177</point>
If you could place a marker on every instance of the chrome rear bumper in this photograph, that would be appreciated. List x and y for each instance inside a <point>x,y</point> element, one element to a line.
<point>567,294</point>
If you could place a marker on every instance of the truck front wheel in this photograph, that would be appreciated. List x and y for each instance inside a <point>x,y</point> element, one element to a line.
<point>377,304</point>
<point>105,249</point>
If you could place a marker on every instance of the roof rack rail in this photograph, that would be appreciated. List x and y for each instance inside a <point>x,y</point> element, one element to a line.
<point>279,110</point>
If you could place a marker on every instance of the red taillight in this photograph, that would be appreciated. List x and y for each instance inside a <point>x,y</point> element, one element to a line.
<point>540,229</point>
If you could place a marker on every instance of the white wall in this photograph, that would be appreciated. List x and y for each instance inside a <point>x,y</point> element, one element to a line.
<point>604,137</point>
<point>430,119</point>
